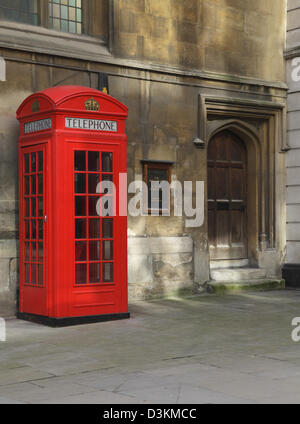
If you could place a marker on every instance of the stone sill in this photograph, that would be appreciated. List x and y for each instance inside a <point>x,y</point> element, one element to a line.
<point>42,40</point>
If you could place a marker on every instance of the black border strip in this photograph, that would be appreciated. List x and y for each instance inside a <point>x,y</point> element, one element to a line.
<point>69,321</point>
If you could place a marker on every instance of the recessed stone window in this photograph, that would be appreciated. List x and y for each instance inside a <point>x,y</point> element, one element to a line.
<point>26,11</point>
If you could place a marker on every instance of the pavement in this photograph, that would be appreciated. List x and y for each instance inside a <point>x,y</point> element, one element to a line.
<point>203,349</point>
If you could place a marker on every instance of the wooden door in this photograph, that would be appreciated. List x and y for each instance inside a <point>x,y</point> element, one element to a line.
<point>227,197</point>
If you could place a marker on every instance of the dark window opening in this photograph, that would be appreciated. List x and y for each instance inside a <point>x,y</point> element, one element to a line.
<point>155,175</point>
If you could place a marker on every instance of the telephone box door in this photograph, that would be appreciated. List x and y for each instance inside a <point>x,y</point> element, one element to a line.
<point>98,285</point>
<point>32,230</point>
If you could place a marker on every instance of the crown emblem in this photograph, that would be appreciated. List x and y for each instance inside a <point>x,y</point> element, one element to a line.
<point>92,104</point>
<point>35,106</point>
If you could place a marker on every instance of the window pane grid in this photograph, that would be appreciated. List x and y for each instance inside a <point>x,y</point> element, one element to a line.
<point>94,260</point>
<point>65,16</point>
<point>20,11</point>
<point>34,218</point>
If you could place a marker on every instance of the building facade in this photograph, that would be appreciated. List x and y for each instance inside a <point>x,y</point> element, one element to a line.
<point>204,81</point>
<point>292,55</point>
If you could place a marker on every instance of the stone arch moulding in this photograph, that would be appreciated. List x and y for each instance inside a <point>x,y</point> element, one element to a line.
<point>260,126</point>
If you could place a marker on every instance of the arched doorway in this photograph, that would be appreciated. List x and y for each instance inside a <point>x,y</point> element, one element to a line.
<point>227,197</point>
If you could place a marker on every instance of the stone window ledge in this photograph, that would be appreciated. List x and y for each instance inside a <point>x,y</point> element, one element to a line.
<point>42,40</point>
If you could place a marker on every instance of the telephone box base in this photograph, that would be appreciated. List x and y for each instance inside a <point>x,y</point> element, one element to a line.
<point>67,322</point>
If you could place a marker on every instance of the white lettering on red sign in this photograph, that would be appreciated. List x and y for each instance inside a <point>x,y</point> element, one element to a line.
<point>35,126</point>
<point>91,124</point>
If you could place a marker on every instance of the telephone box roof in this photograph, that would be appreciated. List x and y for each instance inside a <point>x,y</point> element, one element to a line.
<point>64,97</point>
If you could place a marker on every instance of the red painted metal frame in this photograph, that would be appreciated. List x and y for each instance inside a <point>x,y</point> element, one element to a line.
<point>60,297</point>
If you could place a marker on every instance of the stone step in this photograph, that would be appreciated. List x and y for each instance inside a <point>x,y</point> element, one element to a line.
<point>232,263</point>
<point>237,274</point>
<point>233,287</point>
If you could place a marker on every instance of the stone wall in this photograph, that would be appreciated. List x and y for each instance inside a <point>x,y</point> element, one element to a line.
<point>223,36</point>
<point>166,59</point>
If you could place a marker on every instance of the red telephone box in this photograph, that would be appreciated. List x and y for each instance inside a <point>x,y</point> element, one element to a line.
<point>73,241</point>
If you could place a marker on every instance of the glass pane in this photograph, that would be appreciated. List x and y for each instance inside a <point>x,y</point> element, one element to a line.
<point>27,188</point>
<point>64,26</point>
<point>40,162</point>
<point>107,165</point>
<point>35,20</point>
<point>27,229</point>
<point>33,207</point>
<point>40,275</point>
<point>94,180</point>
<point>26,160</point>
<point>27,208</point>
<point>41,230</point>
<point>64,12</point>
<point>72,13</point>
<point>80,206</point>
<point>94,273</point>
<point>27,252</point>
<point>33,184</point>
<point>56,24</point>
<point>80,229</point>
<point>107,250</point>
<point>33,274</point>
<point>33,230</point>
<point>81,251</point>
<point>80,183</point>
<point>107,228</point>
<point>80,161</point>
<point>40,184</point>
<point>105,206</point>
<point>33,162</point>
<point>41,207</point>
<point>27,274</point>
<point>33,252</point>
<point>72,27</point>
<point>107,272</point>
<point>156,174</point>
<point>106,188</point>
<point>94,161</point>
<point>40,252</point>
<point>93,206</point>
<point>94,251</point>
<point>80,273</point>
<point>94,228</point>
<point>56,11</point>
